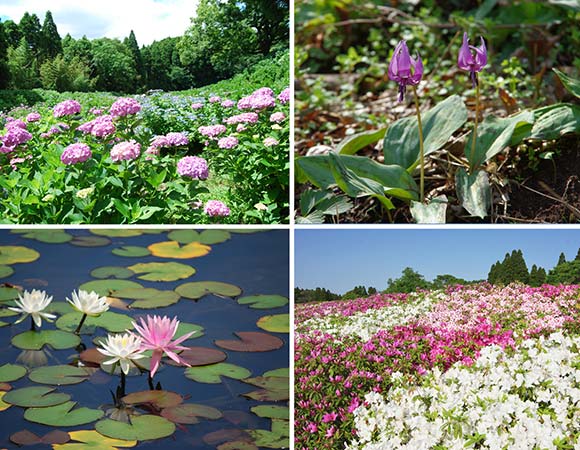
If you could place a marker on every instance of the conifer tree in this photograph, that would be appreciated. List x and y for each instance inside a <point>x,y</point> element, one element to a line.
<point>562,259</point>
<point>51,43</point>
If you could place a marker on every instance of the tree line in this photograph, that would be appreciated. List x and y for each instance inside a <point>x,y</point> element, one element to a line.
<point>225,38</point>
<point>512,269</point>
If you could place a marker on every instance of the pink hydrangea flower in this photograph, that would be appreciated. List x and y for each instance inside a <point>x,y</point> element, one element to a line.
<point>228,103</point>
<point>151,153</point>
<point>75,153</point>
<point>214,99</point>
<point>270,142</point>
<point>228,142</point>
<point>250,117</point>
<point>15,136</point>
<point>16,123</point>
<point>277,117</point>
<point>4,149</point>
<point>126,151</point>
<point>241,127</point>
<point>103,126</point>
<point>260,99</point>
<point>67,108</point>
<point>125,106</point>
<point>193,167</point>
<point>264,91</point>
<point>33,117</point>
<point>197,105</point>
<point>284,96</point>
<point>212,130</point>
<point>156,334</point>
<point>215,208</point>
<point>96,111</point>
<point>176,139</point>
<point>159,142</point>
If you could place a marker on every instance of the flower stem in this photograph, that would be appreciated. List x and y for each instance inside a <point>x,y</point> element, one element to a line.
<point>421,150</point>
<point>475,127</point>
<point>150,381</point>
<point>78,330</point>
<point>122,382</point>
<point>32,324</point>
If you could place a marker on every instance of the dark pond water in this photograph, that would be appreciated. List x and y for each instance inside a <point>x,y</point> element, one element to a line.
<point>258,263</point>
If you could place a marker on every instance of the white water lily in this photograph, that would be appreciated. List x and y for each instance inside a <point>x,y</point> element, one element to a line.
<point>89,303</point>
<point>33,303</point>
<point>124,348</point>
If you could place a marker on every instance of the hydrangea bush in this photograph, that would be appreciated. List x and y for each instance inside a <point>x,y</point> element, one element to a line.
<point>161,158</point>
<point>467,367</point>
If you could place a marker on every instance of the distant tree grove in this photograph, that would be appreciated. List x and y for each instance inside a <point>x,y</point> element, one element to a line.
<point>225,37</point>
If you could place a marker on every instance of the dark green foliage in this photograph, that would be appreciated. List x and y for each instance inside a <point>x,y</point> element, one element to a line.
<point>30,29</point>
<point>409,281</point>
<point>577,256</point>
<point>313,295</point>
<point>537,276</point>
<point>13,34</point>
<point>131,43</point>
<point>50,42</point>
<point>4,70</point>
<point>513,268</point>
<point>161,56</point>
<point>565,273</point>
<point>357,292</point>
<point>114,66</point>
<point>371,290</point>
<point>561,259</point>
<point>22,66</point>
<point>442,281</point>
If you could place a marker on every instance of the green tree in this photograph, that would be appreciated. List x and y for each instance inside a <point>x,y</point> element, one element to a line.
<point>271,20</point>
<point>30,29</point>
<point>131,44</point>
<point>22,66</point>
<point>519,268</point>
<point>356,292</point>
<point>372,290</point>
<point>537,276</point>
<point>50,43</point>
<point>561,259</point>
<point>565,273</point>
<point>13,34</point>
<point>113,65</point>
<point>577,256</point>
<point>442,281</point>
<point>494,275</point>
<point>409,281</point>
<point>4,69</point>
<point>60,75</point>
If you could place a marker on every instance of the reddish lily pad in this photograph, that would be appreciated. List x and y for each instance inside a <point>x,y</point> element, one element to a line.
<point>59,375</point>
<point>112,272</point>
<point>35,396</point>
<point>207,237</point>
<point>190,413</point>
<point>237,445</point>
<point>263,301</point>
<point>212,374</point>
<point>63,415</point>
<point>148,298</point>
<point>200,356</point>
<point>226,435</point>
<point>251,341</point>
<point>92,357</point>
<point>90,241</point>
<point>278,323</point>
<point>172,249</point>
<point>162,271</point>
<point>131,251</point>
<point>107,287</point>
<point>13,254</point>
<point>26,437</point>
<point>94,440</point>
<point>157,399</point>
<point>11,372</point>
<point>35,340</point>
<point>197,289</point>
<point>141,428</point>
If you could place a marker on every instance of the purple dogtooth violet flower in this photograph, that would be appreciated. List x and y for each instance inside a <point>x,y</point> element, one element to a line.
<point>473,62</point>
<point>405,70</point>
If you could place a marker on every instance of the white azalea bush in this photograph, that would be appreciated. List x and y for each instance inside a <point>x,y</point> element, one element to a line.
<point>523,399</point>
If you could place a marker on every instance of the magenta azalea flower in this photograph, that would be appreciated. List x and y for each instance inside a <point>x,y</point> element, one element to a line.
<point>404,70</point>
<point>156,333</point>
<point>467,61</point>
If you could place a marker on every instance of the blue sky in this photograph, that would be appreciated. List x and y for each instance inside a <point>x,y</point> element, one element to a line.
<point>341,259</point>
<point>150,19</point>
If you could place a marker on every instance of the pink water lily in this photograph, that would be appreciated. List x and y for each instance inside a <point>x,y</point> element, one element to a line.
<point>156,333</point>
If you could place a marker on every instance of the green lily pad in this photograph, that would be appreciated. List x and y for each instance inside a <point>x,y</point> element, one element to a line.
<point>147,298</point>
<point>184,328</point>
<point>141,428</point>
<point>117,232</point>
<point>283,372</point>
<point>112,272</point>
<point>172,249</point>
<point>90,241</point>
<point>274,389</point>
<point>131,251</point>
<point>5,312</point>
<point>207,237</point>
<point>110,321</point>
<point>35,396</point>
<point>6,271</point>
<point>197,289</point>
<point>279,323</point>
<point>263,301</point>
<point>8,293</point>
<point>189,413</point>
<point>50,236</point>
<point>106,287</point>
<point>10,254</point>
<point>35,340</point>
<point>212,374</point>
<point>60,308</point>
<point>94,440</point>
<point>62,415</point>
<point>11,372</point>
<point>269,439</point>
<point>272,411</point>
<point>158,399</point>
<point>162,271</point>
<point>251,341</point>
<point>59,375</point>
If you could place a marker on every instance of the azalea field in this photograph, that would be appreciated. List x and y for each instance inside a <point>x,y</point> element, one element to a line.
<point>218,154</point>
<point>437,112</point>
<point>479,366</point>
<point>144,338</point>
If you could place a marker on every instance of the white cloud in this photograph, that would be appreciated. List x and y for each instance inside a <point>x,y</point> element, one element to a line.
<point>151,20</point>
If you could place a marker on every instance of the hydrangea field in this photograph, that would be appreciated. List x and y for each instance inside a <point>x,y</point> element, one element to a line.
<point>477,366</point>
<point>157,158</point>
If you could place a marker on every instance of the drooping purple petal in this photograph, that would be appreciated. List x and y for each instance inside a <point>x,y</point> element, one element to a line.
<point>465,58</point>
<point>417,71</point>
<point>394,65</point>
<point>404,61</point>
